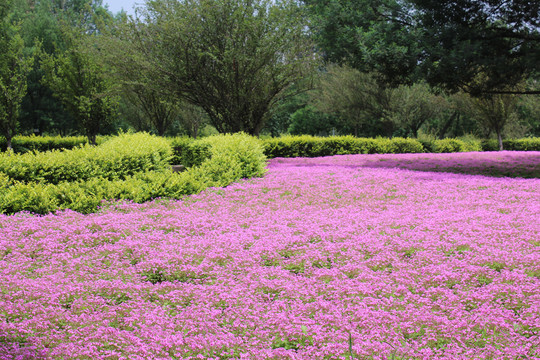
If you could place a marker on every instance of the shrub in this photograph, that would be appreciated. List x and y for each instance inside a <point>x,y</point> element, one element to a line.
<point>232,157</point>
<point>117,158</point>
<point>23,144</point>
<point>448,146</point>
<point>189,152</point>
<point>309,146</point>
<point>525,144</point>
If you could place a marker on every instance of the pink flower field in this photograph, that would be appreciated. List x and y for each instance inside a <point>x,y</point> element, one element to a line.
<point>353,256</point>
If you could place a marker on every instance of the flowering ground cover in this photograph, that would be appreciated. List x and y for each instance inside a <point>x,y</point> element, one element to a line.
<point>325,258</point>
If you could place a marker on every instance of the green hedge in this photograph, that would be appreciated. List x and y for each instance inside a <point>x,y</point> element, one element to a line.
<point>189,152</point>
<point>310,146</point>
<point>23,144</point>
<point>451,145</point>
<point>116,158</point>
<point>232,157</point>
<point>526,144</point>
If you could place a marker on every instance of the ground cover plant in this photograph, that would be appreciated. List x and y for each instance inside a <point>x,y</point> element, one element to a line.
<point>325,258</point>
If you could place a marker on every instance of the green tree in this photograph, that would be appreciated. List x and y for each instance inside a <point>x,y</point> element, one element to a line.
<point>529,113</point>
<point>412,106</point>
<point>135,81</point>
<point>14,68</point>
<point>192,118</point>
<point>232,58</point>
<point>41,21</point>
<point>308,120</point>
<point>158,111</point>
<point>446,42</point>
<point>356,98</point>
<point>495,111</point>
<point>79,80</point>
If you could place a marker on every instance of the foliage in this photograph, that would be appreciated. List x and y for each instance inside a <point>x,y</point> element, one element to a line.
<point>42,22</point>
<point>232,157</point>
<point>467,37</point>
<point>78,79</point>
<point>494,112</point>
<point>188,152</point>
<point>448,43</point>
<point>309,146</point>
<point>15,65</point>
<point>356,98</point>
<point>310,121</point>
<point>412,106</point>
<point>22,144</point>
<point>135,81</point>
<point>233,59</point>
<point>453,145</point>
<point>139,171</point>
<point>117,158</point>
<point>192,118</point>
<point>526,144</point>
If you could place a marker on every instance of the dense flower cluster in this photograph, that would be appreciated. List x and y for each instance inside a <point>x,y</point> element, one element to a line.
<point>323,258</point>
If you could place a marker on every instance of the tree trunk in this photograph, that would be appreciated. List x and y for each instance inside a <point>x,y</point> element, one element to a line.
<point>8,141</point>
<point>499,137</point>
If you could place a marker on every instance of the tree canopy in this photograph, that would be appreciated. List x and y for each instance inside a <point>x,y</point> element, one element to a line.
<point>446,42</point>
<point>232,58</point>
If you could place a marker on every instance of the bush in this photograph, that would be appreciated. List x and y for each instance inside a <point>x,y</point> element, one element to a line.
<point>23,144</point>
<point>526,144</point>
<point>117,158</point>
<point>448,146</point>
<point>232,157</point>
<point>189,152</point>
<point>309,146</point>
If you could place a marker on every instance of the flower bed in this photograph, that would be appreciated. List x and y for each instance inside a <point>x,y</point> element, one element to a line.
<point>320,259</point>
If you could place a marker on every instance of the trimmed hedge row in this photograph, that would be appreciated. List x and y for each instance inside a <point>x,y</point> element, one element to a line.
<point>450,145</point>
<point>309,146</point>
<point>117,158</point>
<point>23,144</point>
<point>231,158</point>
<point>526,144</point>
<point>189,152</point>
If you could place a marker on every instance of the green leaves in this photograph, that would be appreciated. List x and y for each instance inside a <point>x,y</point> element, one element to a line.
<point>233,59</point>
<point>14,68</point>
<point>129,167</point>
<point>80,82</point>
<point>448,43</point>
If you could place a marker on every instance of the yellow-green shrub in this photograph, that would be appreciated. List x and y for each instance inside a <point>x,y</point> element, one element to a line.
<point>116,158</point>
<point>189,152</point>
<point>232,157</point>
<point>22,144</point>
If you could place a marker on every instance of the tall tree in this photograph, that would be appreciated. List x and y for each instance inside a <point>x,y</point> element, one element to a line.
<point>412,106</point>
<point>356,98</point>
<point>495,111</point>
<point>79,80</point>
<point>14,68</point>
<point>134,80</point>
<point>42,21</point>
<point>446,42</point>
<point>232,58</point>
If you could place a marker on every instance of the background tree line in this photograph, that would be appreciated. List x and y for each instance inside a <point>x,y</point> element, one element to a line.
<point>369,68</point>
